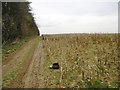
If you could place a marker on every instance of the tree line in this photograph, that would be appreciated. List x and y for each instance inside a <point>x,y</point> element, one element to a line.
<point>17,21</point>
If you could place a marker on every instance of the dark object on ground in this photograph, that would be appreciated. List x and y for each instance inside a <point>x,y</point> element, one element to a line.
<point>54,66</point>
<point>43,37</point>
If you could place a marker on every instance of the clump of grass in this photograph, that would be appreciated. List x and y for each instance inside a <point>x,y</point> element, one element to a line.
<point>96,84</point>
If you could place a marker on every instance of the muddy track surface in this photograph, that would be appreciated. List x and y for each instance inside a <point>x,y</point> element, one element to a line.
<point>29,74</point>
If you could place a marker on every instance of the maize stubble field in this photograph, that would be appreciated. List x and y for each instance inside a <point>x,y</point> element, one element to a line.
<point>85,60</point>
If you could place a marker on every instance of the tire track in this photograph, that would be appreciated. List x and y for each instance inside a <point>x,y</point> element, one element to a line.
<point>33,75</point>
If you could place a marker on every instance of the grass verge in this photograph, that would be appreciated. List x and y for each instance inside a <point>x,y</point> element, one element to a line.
<point>9,48</point>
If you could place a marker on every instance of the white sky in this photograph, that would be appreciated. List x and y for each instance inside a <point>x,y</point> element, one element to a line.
<point>76,16</point>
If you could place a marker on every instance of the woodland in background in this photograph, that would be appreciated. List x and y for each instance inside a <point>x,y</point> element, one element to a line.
<point>17,21</point>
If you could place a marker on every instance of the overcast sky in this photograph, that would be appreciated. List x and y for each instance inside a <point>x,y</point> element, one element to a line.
<point>76,16</point>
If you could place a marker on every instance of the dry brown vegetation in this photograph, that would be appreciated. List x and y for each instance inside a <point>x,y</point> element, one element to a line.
<point>86,60</point>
